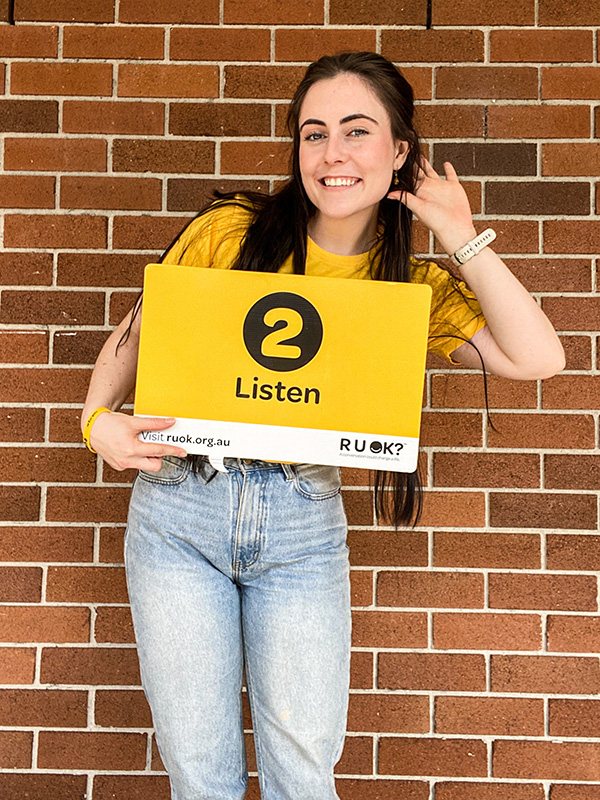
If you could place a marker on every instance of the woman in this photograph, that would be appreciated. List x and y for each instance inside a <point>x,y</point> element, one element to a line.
<point>248,567</point>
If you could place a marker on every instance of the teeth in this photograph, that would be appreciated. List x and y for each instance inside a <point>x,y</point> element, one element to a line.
<point>340,181</point>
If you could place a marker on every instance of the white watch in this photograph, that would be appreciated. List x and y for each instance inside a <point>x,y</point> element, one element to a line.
<point>473,247</point>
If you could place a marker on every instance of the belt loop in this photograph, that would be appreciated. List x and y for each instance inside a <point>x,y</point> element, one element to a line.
<point>288,471</point>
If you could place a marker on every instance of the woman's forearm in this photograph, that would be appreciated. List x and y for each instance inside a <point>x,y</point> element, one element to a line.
<point>113,377</point>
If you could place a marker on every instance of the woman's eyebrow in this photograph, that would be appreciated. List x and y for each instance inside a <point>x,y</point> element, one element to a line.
<point>345,119</point>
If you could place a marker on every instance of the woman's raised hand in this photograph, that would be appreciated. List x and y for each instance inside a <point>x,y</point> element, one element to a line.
<point>115,438</point>
<point>441,204</point>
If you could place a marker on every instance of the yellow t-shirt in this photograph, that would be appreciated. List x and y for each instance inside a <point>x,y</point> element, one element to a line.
<point>214,239</point>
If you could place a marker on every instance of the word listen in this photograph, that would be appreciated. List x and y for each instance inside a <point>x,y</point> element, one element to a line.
<point>265,391</point>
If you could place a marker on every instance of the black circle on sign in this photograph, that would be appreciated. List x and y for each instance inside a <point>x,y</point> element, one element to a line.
<point>308,340</point>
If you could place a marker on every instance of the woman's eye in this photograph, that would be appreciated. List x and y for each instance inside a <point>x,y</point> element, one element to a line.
<point>315,136</point>
<point>358,132</point>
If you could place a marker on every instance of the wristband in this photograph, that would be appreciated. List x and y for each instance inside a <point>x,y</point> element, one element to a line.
<point>88,426</point>
<point>473,247</point>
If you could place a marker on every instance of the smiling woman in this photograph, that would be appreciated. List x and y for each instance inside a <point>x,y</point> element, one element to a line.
<point>248,566</point>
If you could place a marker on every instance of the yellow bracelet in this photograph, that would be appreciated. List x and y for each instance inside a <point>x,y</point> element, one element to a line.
<point>88,426</point>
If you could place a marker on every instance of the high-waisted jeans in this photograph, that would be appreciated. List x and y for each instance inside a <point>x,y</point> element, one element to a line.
<point>248,569</point>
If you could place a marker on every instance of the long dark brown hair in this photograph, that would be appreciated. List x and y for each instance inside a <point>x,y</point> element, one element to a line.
<point>279,224</point>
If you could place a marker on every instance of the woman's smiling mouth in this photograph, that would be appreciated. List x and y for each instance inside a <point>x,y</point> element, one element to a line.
<point>329,182</point>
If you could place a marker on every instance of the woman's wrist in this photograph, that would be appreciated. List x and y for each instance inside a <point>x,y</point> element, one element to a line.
<point>457,238</point>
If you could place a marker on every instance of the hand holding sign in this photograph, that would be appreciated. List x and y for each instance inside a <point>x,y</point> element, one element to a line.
<point>115,437</point>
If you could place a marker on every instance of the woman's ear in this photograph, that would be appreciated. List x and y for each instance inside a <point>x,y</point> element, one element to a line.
<point>401,154</point>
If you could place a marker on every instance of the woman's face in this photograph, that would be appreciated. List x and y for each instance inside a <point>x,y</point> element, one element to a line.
<point>347,152</point>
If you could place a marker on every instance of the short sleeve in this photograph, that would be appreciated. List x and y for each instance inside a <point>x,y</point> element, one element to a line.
<point>211,240</point>
<point>455,314</point>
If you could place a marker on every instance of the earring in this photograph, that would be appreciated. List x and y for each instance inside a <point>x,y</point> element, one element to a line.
<point>396,180</point>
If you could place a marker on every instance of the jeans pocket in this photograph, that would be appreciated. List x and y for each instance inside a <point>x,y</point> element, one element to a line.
<point>316,481</point>
<point>172,470</point>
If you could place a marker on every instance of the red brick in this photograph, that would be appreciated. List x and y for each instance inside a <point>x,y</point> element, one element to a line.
<point>553,592</point>
<point>65,424</point>
<point>17,665</point>
<point>262,81</point>
<point>116,666</point>
<point>489,158</point>
<point>552,274</point>
<point>543,430</point>
<point>19,503</point>
<point>177,11</point>
<point>86,585</point>
<point>220,119</point>
<point>571,391</point>
<point>382,548</point>
<point>513,236</point>
<point>361,670</point>
<point>309,44</point>
<point>451,430</point>
<point>555,12</point>
<point>111,544</point>
<point>114,624</point>
<point>421,80</point>
<point>359,508</point>
<point>55,230</point>
<point>27,191</point>
<point>190,194</point>
<point>44,624</point>
<point>168,80</point>
<point>453,509</point>
<point>122,709</point>
<point>22,424</point>
<point>573,634</point>
<point>466,391</point>
<point>15,749</point>
<point>102,269</point>
<point>87,116</point>
<point>361,588</point>
<point>498,83</point>
<point>83,504</point>
<point>487,550</point>
<point>539,45</point>
<point>543,510</point>
<point>450,121</point>
<point>24,347</point>
<point>55,155</point>
<point>147,155</point>
<point>456,790</point>
<point>77,347</point>
<point>546,760</point>
<point>580,236</point>
<point>220,44</point>
<point>270,12</point>
<point>432,45</point>
<point>111,193</point>
<point>132,787</point>
<point>25,269</point>
<point>41,786</point>
<point>574,158</point>
<point>574,718</point>
<point>255,158</point>
<point>500,716</point>
<point>432,756</point>
<point>429,589</point>
<point>569,551</point>
<point>487,469</point>
<point>389,629</point>
<point>52,307</point>
<point>24,385</point>
<point>23,41</point>
<point>545,674</point>
<point>69,750</point>
<point>46,464</point>
<point>578,351</point>
<point>20,584</point>
<point>46,543</point>
<point>570,83</point>
<point>35,707</point>
<point>120,304</point>
<point>61,79</point>
<point>66,11</point>
<point>431,672</point>
<point>487,631</point>
<point>481,12</point>
<point>143,233</point>
<point>388,713</point>
<point>539,122</point>
<point>29,115</point>
<point>113,42</point>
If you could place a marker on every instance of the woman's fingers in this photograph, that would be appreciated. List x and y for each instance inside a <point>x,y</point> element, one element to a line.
<point>151,423</point>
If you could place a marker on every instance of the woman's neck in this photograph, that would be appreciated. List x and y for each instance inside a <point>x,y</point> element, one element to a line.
<point>343,237</point>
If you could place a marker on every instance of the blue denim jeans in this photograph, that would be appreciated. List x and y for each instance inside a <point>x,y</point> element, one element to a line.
<point>248,569</point>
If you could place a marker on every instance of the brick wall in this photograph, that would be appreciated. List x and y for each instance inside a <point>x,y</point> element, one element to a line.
<point>475,668</point>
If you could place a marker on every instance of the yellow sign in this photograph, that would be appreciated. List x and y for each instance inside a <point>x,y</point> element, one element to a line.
<point>284,367</point>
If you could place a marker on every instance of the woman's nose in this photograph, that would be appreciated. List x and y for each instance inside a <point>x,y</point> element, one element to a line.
<point>334,152</point>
